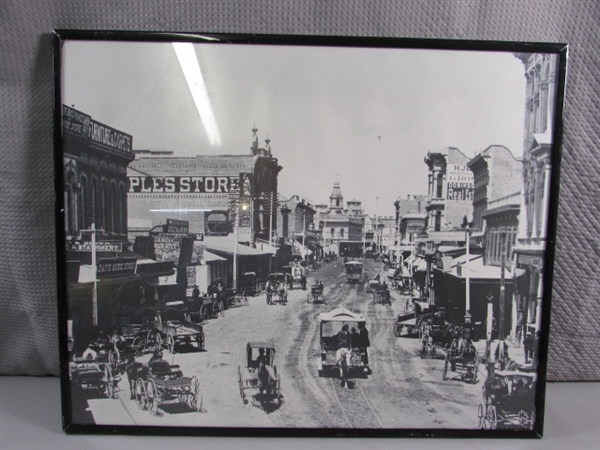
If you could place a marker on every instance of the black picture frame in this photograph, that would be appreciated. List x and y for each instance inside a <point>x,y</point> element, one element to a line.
<point>83,141</point>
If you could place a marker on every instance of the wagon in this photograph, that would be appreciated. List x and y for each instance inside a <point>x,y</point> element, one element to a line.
<point>316,293</point>
<point>159,382</point>
<point>330,324</point>
<point>173,328</point>
<point>466,367</point>
<point>259,379</point>
<point>276,288</point>
<point>296,275</point>
<point>250,286</point>
<point>234,297</point>
<point>508,401</point>
<point>93,371</point>
<point>406,325</point>
<point>404,284</point>
<point>382,295</point>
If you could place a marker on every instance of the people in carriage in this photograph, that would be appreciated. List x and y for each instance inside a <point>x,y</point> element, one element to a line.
<point>319,286</point>
<point>343,337</point>
<point>465,352</point>
<point>157,364</point>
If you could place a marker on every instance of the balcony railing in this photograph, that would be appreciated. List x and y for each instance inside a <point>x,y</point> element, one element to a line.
<point>531,243</point>
<point>510,199</point>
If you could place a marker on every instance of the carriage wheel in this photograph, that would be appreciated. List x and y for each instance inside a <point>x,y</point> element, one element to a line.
<point>531,419</point>
<point>445,369</point>
<point>195,397</point>
<point>203,313</point>
<point>152,397</point>
<point>109,387</point>
<point>139,393</point>
<point>241,383</point>
<point>475,370</point>
<point>137,345</point>
<point>170,343</point>
<point>492,417</point>
<point>481,417</point>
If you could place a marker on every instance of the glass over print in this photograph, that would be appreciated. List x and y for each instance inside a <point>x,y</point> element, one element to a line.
<point>305,235</point>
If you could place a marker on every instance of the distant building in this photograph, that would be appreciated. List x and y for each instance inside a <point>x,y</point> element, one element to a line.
<point>341,228</point>
<point>450,192</point>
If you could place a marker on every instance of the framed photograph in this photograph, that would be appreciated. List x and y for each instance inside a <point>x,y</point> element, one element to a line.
<point>305,235</point>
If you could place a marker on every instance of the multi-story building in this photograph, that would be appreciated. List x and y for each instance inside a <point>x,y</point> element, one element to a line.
<point>541,75</point>
<point>207,191</point>
<point>96,158</point>
<point>450,189</point>
<point>341,228</point>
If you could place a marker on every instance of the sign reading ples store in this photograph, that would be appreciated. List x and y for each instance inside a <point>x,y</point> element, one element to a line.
<point>190,184</point>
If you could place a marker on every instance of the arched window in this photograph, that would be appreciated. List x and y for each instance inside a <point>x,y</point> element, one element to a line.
<point>82,203</point>
<point>112,210</point>
<point>104,207</point>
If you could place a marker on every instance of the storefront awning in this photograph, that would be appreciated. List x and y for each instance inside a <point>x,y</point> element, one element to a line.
<point>420,265</point>
<point>225,244</point>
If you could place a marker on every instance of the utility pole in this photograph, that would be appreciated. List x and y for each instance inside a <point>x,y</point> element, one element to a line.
<point>467,280</point>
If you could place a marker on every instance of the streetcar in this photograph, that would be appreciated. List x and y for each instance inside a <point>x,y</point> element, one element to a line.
<point>331,325</point>
<point>354,271</point>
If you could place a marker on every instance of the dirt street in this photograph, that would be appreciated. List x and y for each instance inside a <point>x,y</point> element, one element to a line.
<point>402,391</point>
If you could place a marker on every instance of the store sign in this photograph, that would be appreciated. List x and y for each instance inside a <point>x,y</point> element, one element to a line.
<point>166,247</point>
<point>460,182</point>
<point>158,268</point>
<point>110,137</point>
<point>528,260</point>
<point>86,246</point>
<point>177,226</point>
<point>76,122</point>
<point>188,184</point>
<point>115,266</point>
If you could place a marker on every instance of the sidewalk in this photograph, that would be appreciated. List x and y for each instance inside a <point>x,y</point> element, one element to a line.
<point>515,351</point>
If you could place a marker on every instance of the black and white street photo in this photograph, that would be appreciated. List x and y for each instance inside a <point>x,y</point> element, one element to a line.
<point>305,236</point>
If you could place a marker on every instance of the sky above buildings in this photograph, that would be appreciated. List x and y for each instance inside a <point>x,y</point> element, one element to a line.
<point>363,117</point>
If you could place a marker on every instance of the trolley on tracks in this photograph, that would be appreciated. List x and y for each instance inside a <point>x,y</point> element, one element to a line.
<point>333,357</point>
<point>354,271</point>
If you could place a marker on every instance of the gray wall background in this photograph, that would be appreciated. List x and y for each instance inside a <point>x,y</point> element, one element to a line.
<point>28,313</point>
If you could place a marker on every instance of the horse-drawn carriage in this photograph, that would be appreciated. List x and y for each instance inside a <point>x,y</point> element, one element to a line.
<point>276,288</point>
<point>346,354</point>
<point>296,275</point>
<point>404,284</point>
<point>250,285</point>
<point>259,380</point>
<point>463,359</point>
<point>97,368</point>
<point>173,328</point>
<point>354,271</point>
<point>159,382</point>
<point>381,294</point>
<point>508,401</point>
<point>316,293</point>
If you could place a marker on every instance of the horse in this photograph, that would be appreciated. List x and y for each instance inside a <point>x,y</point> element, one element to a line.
<point>134,371</point>
<point>343,356</point>
<point>267,379</point>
